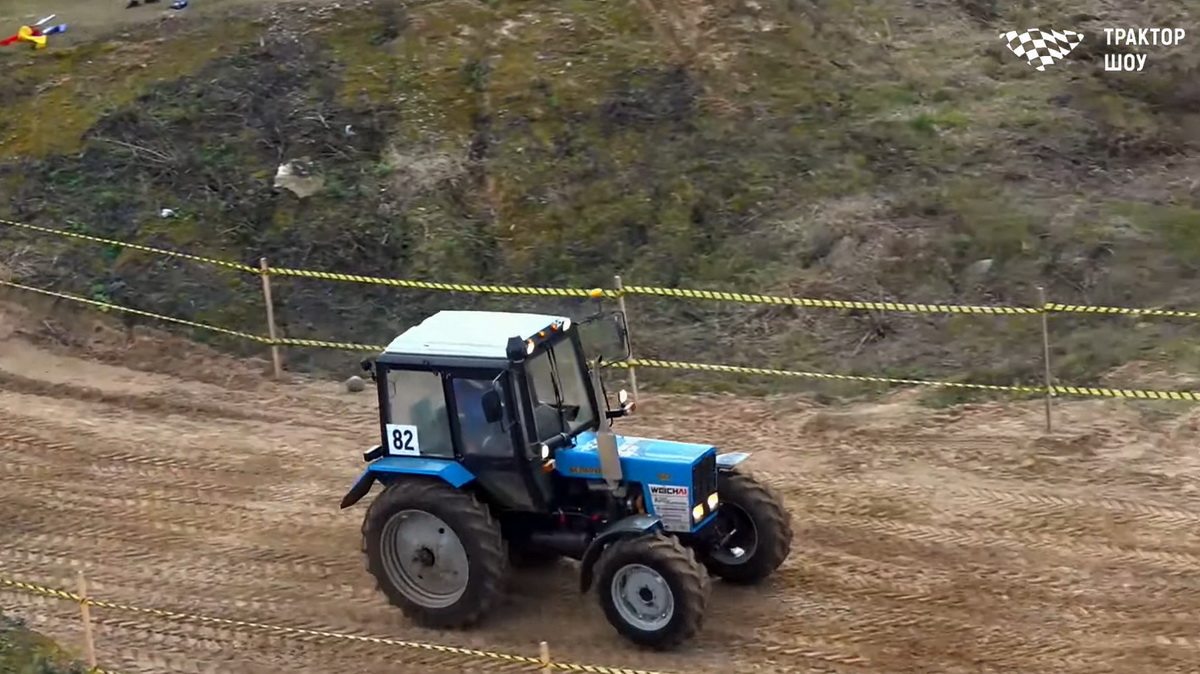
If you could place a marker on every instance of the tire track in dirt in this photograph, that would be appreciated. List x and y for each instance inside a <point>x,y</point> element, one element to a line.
<point>46,455</point>
<point>995,588</point>
<point>176,447</point>
<point>870,621</point>
<point>170,542</point>
<point>1145,512</point>
<point>188,589</point>
<point>186,507</point>
<point>1080,526</point>
<point>171,402</point>
<point>43,472</point>
<point>1174,563</point>
<point>979,457</point>
<point>130,643</point>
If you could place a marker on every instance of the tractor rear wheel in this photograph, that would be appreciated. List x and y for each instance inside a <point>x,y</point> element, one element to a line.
<point>652,590</point>
<point>755,532</point>
<point>435,552</point>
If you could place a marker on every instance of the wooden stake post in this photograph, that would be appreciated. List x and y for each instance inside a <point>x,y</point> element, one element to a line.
<point>621,305</point>
<point>89,645</point>
<point>1046,353</point>
<point>266,289</point>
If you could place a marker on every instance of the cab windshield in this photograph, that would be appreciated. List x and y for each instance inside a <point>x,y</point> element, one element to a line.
<point>559,384</point>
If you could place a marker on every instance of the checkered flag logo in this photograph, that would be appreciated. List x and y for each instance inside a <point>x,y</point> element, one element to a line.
<point>1041,48</point>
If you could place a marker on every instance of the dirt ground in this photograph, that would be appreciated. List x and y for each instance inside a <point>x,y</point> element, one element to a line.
<point>926,541</point>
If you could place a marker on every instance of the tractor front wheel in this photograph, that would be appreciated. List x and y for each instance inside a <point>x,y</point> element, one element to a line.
<point>754,533</point>
<point>435,552</point>
<point>652,590</point>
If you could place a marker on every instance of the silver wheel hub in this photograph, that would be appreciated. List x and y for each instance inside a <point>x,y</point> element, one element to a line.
<point>424,559</point>
<point>643,598</point>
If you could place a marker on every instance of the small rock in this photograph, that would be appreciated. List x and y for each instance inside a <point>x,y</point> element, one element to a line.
<point>980,267</point>
<point>299,177</point>
<point>356,384</point>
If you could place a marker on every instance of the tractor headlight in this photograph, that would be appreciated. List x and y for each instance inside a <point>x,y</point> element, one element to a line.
<point>545,451</point>
<point>566,324</point>
<point>529,346</point>
<point>712,501</point>
<point>698,512</point>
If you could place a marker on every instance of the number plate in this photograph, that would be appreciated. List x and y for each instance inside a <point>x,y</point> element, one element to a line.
<point>402,440</point>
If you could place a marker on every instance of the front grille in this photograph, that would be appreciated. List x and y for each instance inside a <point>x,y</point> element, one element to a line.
<point>704,478</point>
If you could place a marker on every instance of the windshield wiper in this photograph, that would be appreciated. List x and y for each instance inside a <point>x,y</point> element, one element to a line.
<point>556,384</point>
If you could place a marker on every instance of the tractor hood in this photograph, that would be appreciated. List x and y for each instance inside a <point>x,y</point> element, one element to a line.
<point>642,459</point>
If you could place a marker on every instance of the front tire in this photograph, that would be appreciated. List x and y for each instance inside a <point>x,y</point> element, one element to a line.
<point>755,530</point>
<point>435,552</point>
<point>652,590</point>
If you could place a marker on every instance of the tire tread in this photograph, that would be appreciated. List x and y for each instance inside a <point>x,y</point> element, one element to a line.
<point>678,560</point>
<point>480,526</point>
<point>761,501</point>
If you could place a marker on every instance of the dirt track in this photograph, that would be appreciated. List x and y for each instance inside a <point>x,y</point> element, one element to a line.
<point>932,542</point>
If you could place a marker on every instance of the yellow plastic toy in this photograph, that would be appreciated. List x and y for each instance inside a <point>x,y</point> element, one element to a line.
<point>27,34</point>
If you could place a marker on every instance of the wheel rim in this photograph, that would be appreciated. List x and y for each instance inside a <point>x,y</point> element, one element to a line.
<point>424,559</point>
<point>643,598</point>
<point>739,536</point>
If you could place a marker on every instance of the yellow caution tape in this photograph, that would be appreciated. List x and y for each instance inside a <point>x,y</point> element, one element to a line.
<point>1087,309</point>
<point>1090,391</point>
<point>319,344</point>
<point>748,298</point>
<point>455,287</point>
<point>139,312</point>
<point>1125,393</point>
<point>719,295</point>
<point>302,631</point>
<point>134,246</point>
<point>654,363</point>
<point>734,369</point>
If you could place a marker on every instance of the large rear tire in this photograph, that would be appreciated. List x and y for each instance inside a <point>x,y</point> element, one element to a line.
<point>755,530</point>
<point>435,552</point>
<point>652,590</point>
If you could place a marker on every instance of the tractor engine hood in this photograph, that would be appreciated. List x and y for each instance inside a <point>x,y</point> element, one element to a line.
<point>642,459</point>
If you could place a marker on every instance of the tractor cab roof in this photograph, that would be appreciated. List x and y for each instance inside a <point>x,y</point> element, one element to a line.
<point>466,334</point>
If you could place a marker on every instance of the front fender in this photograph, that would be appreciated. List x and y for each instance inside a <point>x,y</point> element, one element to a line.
<point>361,487</point>
<point>633,525</point>
<point>731,460</point>
<point>389,467</point>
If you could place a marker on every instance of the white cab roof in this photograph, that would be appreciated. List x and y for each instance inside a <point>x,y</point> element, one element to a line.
<point>478,334</point>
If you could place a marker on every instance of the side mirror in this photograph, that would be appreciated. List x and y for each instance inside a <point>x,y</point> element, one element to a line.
<point>492,410</point>
<point>606,335</point>
<point>368,365</point>
<point>626,406</point>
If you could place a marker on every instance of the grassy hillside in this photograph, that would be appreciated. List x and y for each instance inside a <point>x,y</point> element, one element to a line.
<point>825,148</point>
<point>23,651</point>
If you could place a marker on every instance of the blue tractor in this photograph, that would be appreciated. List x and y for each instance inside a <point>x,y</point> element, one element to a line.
<point>498,452</point>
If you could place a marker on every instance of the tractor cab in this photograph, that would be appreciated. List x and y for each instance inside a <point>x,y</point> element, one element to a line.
<point>493,396</point>
<point>497,442</point>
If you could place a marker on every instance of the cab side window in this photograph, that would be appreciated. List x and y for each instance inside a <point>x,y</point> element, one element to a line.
<point>479,437</point>
<point>418,422</point>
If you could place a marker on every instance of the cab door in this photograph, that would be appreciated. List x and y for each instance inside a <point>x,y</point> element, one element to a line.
<point>492,451</point>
